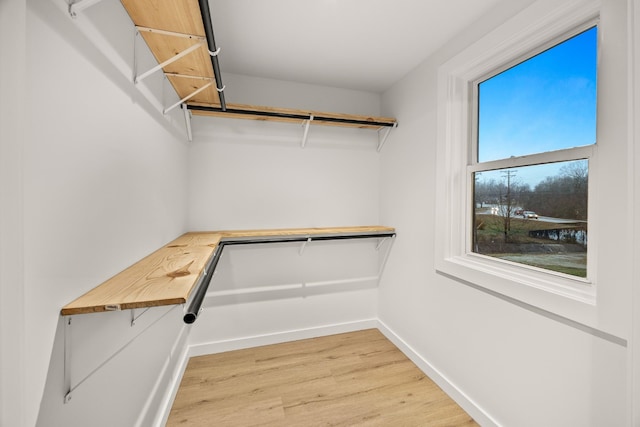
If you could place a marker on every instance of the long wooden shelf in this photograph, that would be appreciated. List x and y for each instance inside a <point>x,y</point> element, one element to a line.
<point>170,27</point>
<point>259,112</point>
<point>169,275</point>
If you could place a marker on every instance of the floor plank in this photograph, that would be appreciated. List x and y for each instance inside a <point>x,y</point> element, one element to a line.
<point>357,378</point>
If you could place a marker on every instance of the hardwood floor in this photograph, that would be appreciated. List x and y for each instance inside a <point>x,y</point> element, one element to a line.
<point>357,378</point>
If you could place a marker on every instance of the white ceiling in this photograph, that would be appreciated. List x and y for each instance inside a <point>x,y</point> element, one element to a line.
<point>354,44</point>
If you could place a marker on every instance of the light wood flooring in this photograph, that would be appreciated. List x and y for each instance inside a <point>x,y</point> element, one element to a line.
<point>357,378</point>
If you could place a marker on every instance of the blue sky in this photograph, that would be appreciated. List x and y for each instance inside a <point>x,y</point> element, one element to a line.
<point>543,104</point>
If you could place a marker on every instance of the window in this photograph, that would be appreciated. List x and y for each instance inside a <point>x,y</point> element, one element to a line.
<point>517,159</point>
<point>536,213</point>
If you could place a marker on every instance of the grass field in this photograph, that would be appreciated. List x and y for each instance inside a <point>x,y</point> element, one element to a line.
<point>574,264</point>
<point>564,257</point>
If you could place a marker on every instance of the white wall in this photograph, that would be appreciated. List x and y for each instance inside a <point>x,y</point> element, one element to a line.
<point>240,89</point>
<point>508,363</point>
<point>252,174</point>
<point>634,358</point>
<point>104,185</point>
<point>12,114</point>
<point>107,180</point>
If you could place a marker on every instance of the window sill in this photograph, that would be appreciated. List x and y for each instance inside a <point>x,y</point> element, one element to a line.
<point>574,298</point>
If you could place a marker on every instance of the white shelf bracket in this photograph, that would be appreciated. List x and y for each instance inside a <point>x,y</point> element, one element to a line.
<point>385,257</point>
<point>171,60</point>
<point>68,388</point>
<point>76,6</point>
<point>67,359</point>
<point>191,95</point>
<point>169,33</point>
<point>381,242</point>
<point>187,122</point>
<point>136,35</point>
<point>383,134</point>
<point>134,317</point>
<point>304,245</point>
<point>306,124</point>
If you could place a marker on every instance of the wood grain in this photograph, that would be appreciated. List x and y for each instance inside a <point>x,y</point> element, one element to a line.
<point>169,275</point>
<point>181,16</point>
<point>357,378</point>
<point>165,277</point>
<point>288,232</point>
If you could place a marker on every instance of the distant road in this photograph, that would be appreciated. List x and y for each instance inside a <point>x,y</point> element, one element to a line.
<point>492,211</point>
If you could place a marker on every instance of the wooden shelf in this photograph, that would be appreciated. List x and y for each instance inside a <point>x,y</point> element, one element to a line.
<point>168,276</point>
<point>180,17</point>
<point>259,112</point>
<point>170,27</point>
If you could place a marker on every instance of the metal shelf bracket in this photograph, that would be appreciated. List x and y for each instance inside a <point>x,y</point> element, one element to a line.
<point>134,317</point>
<point>68,387</point>
<point>385,256</point>
<point>381,242</point>
<point>191,95</point>
<point>306,124</point>
<point>201,42</point>
<point>187,122</point>
<point>76,6</point>
<point>67,360</point>
<point>304,245</point>
<point>383,134</point>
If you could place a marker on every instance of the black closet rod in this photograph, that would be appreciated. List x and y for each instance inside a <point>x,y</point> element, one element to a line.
<point>195,306</point>
<point>290,116</point>
<point>193,310</point>
<point>286,239</point>
<point>211,42</point>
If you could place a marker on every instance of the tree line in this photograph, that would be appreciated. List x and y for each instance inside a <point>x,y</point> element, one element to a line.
<point>561,196</point>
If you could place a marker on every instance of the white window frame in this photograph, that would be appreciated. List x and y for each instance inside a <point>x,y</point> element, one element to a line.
<point>540,26</point>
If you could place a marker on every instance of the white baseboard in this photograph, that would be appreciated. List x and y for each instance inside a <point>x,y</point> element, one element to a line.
<point>477,413</point>
<point>279,337</point>
<point>170,377</point>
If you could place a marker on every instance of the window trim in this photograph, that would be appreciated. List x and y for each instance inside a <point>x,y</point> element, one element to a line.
<point>539,27</point>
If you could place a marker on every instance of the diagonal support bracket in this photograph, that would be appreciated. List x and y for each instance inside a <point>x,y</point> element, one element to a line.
<point>135,317</point>
<point>305,135</point>
<point>381,242</point>
<point>385,256</point>
<point>171,60</point>
<point>304,245</point>
<point>69,389</point>
<point>67,360</point>
<point>383,134</point>
<point>187,121</point>
<point>191,95</point>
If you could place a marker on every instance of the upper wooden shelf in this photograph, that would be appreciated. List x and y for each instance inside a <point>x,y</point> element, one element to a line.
<point>170,27</point>
<point>168,276</point>
<point>258,112</point>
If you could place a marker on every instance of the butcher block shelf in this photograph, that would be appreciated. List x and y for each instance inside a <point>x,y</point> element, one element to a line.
<point>259,112</point>
<point>171,27</point>
<point>168,276</point>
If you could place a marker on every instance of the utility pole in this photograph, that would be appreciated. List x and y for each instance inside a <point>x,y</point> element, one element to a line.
<point>507,208</point>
